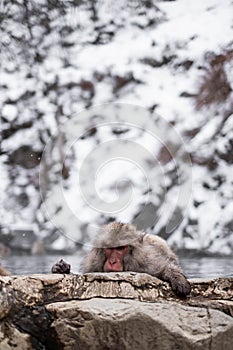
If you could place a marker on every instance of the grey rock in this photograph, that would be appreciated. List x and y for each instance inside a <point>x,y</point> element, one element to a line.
<point>129,324</point>
<point>113,311</point>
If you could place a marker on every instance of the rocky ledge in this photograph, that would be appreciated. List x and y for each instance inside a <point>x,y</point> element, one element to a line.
<point>113,311</point>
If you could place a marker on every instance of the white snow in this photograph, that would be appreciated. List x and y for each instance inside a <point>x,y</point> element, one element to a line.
<point>9,112</point>
<point>121,169</point>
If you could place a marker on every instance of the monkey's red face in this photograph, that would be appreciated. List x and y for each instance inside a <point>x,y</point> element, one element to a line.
<point>114,261</point>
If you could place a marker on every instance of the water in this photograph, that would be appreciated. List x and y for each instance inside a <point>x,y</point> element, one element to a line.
<point>30,264</point>
<point>195,267</point>
<point>207,267</point>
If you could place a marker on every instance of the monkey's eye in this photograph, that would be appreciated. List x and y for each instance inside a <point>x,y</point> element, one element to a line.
<point>122,247</point>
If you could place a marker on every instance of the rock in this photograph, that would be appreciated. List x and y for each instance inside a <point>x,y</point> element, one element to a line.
<point>26,157</point>
<point>12,338</point>
<point>112,311</point>
<point>129,324</point>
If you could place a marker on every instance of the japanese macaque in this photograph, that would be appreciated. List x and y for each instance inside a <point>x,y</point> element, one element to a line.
<point>120,247</point>
<point>4,250</point>
<point>4,272</point>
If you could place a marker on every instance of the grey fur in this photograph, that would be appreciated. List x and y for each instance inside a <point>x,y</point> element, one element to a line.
<point>147,253</point>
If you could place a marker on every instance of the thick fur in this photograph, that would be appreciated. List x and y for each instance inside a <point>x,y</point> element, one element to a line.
<point>146,253</point>
<point>4,272</point>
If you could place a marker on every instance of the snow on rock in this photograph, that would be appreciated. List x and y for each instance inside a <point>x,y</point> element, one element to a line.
<point>9,112</point>
<point>208,221</point>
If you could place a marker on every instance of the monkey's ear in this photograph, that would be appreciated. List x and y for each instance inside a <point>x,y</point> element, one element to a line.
<point>141,237</point>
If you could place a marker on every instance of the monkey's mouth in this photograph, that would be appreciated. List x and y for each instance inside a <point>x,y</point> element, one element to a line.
<point>113,268</point>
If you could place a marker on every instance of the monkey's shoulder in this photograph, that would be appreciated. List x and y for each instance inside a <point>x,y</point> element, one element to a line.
<point>156,242</point>
<point>153,239</point>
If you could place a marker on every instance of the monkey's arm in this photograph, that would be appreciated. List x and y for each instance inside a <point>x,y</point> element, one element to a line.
<point>167,266</point>
<point>173,274</point>
<point>61,267</point>
<point>92,262</point>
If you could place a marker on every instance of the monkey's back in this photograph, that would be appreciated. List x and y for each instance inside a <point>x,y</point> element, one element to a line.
<point>159,252</point>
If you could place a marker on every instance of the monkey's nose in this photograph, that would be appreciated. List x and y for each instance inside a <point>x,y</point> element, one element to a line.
<point>112,261</point>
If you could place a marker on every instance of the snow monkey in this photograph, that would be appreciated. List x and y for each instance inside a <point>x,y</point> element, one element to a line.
<point>120,247</point>
<point>4,272</point>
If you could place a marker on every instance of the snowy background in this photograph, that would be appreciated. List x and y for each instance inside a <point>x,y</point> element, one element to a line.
<point>115,110</point>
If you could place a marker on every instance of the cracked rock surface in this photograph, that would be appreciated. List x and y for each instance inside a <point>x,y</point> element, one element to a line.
<point>112,311</point>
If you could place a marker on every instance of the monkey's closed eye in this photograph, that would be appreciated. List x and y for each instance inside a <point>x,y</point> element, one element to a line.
<point>121,247</point>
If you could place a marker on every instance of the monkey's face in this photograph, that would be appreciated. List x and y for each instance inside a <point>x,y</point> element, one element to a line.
<point>114,258</point>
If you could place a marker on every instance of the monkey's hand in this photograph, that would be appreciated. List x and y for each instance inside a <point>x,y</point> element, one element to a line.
<point>61,267</point>
<point>180,285</point>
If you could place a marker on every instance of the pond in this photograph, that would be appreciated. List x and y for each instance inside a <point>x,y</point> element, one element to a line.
<point>194,267</point>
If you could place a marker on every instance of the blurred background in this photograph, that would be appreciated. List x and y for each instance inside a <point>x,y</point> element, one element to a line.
<point>168,63</point>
